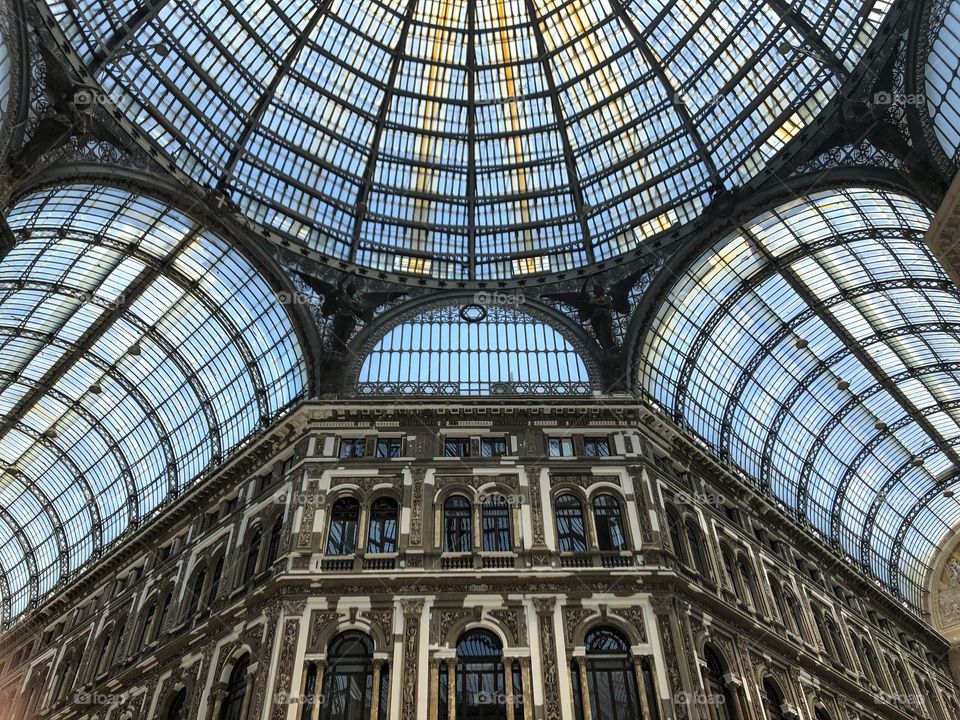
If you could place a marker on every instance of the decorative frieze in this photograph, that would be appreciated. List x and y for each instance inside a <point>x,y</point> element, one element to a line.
<point>550,673</point>
<point>412,610</point>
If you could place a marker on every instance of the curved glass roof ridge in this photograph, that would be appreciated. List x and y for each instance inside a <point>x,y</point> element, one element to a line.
<point>136,349</point>
<point>817,347</point>
<point>472,139</point>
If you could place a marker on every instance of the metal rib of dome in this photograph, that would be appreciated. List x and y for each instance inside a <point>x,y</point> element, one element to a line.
<point>136,349</point>
<point>471,139</point>
<point>817,347</point>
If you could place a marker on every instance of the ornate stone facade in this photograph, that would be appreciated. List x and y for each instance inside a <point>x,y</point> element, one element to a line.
<point>540,602</point>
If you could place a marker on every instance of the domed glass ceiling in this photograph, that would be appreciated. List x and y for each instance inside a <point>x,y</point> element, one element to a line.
<point>818,348</point>
<point>942,83</point>
<point>471,139</point>
<point>136,350</point>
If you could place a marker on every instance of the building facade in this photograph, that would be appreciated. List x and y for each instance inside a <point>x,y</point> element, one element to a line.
<point>484,559</point>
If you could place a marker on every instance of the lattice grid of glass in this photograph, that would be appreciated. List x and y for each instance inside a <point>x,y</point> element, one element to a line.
<point>506,352</point>
<point>471,139</point>
<point>136,349</point>
<point>941,72</point>
<point>746,352</point>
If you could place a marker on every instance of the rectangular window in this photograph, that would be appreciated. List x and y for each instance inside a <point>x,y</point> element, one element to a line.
<point>389,447</point>
<point>596,446</point>
<point>493,447</point>
<point>456,447</point>
<point>560,447</point>
<point>353,448</point>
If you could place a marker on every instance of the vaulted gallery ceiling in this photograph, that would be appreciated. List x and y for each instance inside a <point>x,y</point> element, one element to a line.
<point>727,220</point>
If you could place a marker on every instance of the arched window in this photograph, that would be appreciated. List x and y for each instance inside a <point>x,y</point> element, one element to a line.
<point>730,571</point>
<point>608,520</point>
<point>196,592</point>
<point>177,710</point>
<point>495,524</point>
<point>719,695</point>
<point>215,582</point>
<point>162,619</point>
<point>839,646</point>
<point>253,554</point>
<point>795,614</point>
<point>273,546</point>
<point>749,582</point>
<point>697,552</point>
<point>821,714</point>
<point>676,537</point>
<point>68,674</point>
<point>457,525</point>
<point>472,350</point>
<point>344,524</point>
<point>781,606</point>
<point>118,645</point>
<point>147,624</point>
<point>103,656</point>
<point>348,679</point>
<point>571,532</point>
<point>382,537</point>
<point>236,690</point>
<point>772,700</point>
<point>479,680</point>
<point>611,680</point>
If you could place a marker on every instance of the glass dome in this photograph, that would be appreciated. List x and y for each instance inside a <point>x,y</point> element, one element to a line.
<point>817,348</point>
<point>940,72</point>
<point>137,349</point>
<point>470,139</point>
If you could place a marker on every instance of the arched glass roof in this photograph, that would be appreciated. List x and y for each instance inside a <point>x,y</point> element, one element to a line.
<point>473,350</point>
<point>472,139</point>
<point>136,350</point>
<point>943,85</point>
<point>817,347</point>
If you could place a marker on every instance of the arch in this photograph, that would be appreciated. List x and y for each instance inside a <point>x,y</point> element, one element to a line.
<point>772,698</point>
<point>676,537</point>
<point>570,523</point>
<point>177,707</point>
<point>343,526</point>
<point>718,690</point>
<point>479,681</point>
<point>348,690</point>
<point>698,548</point>
<point>933,42</point>
<point>511,350</point>
<point>835,279</point>
<point>144,337</point>
<point>236,690</point>
<point>611,683</point>
<point>383,528</point>
<point>457,524</point>
<point>274,540</point>
<point>496,524</point>
<point>609,523</point>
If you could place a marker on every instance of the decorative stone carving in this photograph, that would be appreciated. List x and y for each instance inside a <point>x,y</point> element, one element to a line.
<point>309,514</point>
<point>672,665</point>
<point>445,618</point>
<point>536,509</point>
<point>512,620</point>
<point>634,616</point>
<point>572,618</point>
<point>319,620</point>
<point>284,685</point>
<point>383,621</point>
<point>366,483</point>
<point>548,657</point>
<point>412,609</point>
<point>511,480</point>
<point>416,507</point>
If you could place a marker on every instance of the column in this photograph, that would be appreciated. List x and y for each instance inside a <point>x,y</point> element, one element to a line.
<point>642,685</point>
<point>581,663</point>
<point>217,696</point>
<point>375,704</point>
<point>508,687</point>
<point>451,688</point>
<point>544,607</point>
<point>434,688</point>
<point>318,689</point>
<point>412,610</point>
<point>527,680</point>
<point>247,695</point>
<point>735,692</point>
